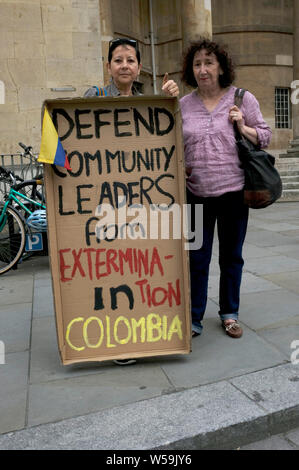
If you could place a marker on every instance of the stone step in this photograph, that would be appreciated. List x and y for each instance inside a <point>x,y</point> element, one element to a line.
<point>294,185</point>
<point>289,195</point>
<point>289,174</point>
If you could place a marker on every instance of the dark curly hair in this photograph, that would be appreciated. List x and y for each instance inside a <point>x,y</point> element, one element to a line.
<point>220,52</point>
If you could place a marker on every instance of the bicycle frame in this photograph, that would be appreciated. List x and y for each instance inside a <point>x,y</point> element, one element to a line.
<point>14,196</point>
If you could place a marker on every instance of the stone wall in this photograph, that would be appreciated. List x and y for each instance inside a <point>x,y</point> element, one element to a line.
<point>259,34</point>
<point>44,44</point>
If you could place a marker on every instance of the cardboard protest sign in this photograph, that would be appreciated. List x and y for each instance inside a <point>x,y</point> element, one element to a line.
<point>118,261</point>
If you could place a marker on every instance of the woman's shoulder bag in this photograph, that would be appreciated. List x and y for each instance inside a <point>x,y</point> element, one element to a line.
<point>262,181</point>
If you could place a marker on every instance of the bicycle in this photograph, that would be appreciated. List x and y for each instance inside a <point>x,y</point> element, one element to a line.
<point>18,217</point>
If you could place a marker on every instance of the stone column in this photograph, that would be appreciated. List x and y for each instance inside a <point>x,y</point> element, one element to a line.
<point>107,33</point>
<point>196,19</point>
<point>296,69</point>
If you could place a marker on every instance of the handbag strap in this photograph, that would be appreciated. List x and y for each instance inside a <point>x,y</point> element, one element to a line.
<point>239,93</point>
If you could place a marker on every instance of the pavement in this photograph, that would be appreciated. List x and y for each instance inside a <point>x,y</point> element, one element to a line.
<point>227,394</point>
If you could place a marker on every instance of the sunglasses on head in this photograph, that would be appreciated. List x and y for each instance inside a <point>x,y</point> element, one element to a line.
<point>119,41</point>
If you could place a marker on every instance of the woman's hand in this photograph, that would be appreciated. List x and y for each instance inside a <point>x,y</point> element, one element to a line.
<point>235,115</point>
<point>170,87</point>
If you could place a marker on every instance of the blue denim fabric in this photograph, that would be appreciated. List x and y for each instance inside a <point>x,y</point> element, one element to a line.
<point>231,216</point>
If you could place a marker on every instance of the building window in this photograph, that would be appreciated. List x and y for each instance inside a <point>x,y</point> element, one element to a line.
<point>282,108</point>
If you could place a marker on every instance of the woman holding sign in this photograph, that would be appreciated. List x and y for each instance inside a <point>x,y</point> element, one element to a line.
<point>124,65</point>
<point>215,178</point>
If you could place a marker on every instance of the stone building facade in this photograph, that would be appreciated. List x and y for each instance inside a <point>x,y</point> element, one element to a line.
<point>55,48</point>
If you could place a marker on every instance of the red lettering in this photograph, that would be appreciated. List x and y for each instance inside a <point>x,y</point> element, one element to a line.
<point>63,266</point>
<point>99,263</point>
<point>127,257</point>
<point>141,284</point>
<point>110,259</point>
<point>156,261</point>
<point>142,260</point>
<point>154,298</point>
<point>89,261</point>
<point>172,293</point>
<point>77,263</point>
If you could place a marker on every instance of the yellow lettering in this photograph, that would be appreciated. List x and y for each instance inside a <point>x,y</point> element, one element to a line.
<point>164,328</point>
<point>67,335</point>
<point>136,324</point>
<point>127,323</point>
<point>151,327</point>
<point>85,335</point>
<point>175,327</point>
<point>109,345</point>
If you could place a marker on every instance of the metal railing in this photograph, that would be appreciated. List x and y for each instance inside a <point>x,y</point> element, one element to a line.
<point>22,165</point>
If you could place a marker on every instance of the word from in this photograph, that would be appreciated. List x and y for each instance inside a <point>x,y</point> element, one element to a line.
<point>147,222</point>
<point>101,262</point>
<point>2,92</point>
<point>105,162</point>
<point>295,93</point>
<point>149,329</point>
<point>295,354</point>
<point>157,296</point>
<point>154,122</point>
<point>2,352</point>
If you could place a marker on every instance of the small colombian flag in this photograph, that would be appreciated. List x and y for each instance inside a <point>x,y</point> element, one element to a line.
<point>51,150</point>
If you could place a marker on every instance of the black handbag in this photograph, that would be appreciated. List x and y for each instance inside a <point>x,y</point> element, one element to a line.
<point>263,185</point>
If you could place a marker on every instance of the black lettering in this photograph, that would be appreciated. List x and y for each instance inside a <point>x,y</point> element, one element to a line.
<point>60,202</point>
<point>144,160</point>
<point>123,187</point>
<point>106,193</point>
<point>126,290</point>
<point>148,125</point>
<point>98,123</point>
<point>118,123</point>
<point>98,298</point>
<point>88,233</point>
<point>97,156</point>
<point>167,113</point>
<point>168,156</point>
<point>144,191</point>
<point>79,126</point>
<point>81,163</point>
<point>80,199</point>
<point>71,124</point>
<point>58,172</point>
<point>161,190</point>
<point>131,194</point>
<point>124,157</point>
<point>112,156</point>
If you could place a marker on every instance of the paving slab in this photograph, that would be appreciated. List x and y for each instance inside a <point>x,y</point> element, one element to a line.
<point>271,264</point>
<point>293,436</point>
<point>188,420</point>
<point>283,337</point>
<point>60,399</point>
<point>250,284</point>
<point>15,326</point>
<point>267,239</point>
<point>261,309</point>
<point>269,386</point>
<point>43,301</point>
<point>19,291</point>
<point>272,443</point>
<point>221,358</point>
<point>287,280</point>
<point>13,391</point>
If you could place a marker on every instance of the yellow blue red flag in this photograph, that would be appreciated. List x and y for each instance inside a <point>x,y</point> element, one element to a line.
<point>51,150</point>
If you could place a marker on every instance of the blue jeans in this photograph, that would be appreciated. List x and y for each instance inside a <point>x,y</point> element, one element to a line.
<point>231,215</point>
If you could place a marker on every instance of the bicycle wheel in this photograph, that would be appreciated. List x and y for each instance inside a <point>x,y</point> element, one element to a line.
<point>12,239</point>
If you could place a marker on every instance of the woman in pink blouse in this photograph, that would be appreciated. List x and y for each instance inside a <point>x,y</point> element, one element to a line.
<point>215,177</point>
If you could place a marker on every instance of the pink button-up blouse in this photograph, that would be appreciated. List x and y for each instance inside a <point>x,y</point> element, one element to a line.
<point>211,155</point>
